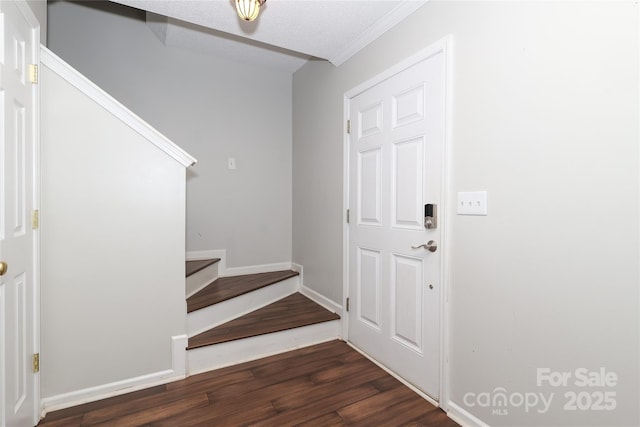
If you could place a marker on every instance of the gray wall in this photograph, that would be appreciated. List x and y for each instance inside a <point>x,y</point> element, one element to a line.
<point>545,118</point>
<point>212,108</point>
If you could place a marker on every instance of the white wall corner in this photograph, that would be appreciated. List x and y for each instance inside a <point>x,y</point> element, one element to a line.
<point>463,417</point>
<point>179,345</point>
<point>208,254</point>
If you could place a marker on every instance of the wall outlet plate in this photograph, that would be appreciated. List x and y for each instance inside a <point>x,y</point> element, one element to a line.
<point>472,203</point>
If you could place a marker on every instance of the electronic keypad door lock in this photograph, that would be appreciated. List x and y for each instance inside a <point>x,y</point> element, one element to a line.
<point>430,216</point>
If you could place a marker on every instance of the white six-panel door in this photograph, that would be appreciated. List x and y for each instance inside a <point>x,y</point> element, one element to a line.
<point>18,49</point>
<point>395,168</point>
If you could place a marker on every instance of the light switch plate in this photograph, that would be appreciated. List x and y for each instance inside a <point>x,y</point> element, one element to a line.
<point>472,203</point>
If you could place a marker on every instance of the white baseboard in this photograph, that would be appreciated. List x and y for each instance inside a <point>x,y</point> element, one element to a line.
<point>315,296</point>
<point>463,417</point>
<point>321,299</point>
<point>208,254</point>
<point>252,269</point>
<point>104,391</point>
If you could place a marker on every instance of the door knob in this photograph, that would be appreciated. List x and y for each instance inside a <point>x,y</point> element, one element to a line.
<point>3,268</point>
<point>431,246</point>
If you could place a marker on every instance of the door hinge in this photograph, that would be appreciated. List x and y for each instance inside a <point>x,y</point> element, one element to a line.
<point>33,73</point>
<point>36,363</point>
<point>348,215</point>
<point>347,304</point>
<point>35,219</point>
<point>349,126</point>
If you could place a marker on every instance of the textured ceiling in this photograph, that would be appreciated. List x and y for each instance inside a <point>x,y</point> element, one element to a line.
<point>285,35</point>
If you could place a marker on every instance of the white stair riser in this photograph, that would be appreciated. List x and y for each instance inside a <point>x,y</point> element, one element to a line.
<point>209,317</point>
<point>201,279</point>
<point>244,350</point>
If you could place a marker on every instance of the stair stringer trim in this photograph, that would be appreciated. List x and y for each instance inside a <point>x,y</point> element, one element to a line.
<point>209,317</point>
<point>244,350</point>
<point>201,279</point>
<point>106,101</point>
<point>209,254</point>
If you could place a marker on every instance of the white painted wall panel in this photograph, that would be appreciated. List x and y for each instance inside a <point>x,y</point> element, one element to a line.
<point>545,118</point>
<point>113,215</point>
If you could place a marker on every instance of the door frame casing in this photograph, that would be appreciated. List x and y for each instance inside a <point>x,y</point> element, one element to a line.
<point>444,46</point>
<point>34,25</point>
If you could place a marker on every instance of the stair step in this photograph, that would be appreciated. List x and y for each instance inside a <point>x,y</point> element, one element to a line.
<point>293,311</point>
<point>193,267</point>
<point>214,315</point>
<point>225,288</point>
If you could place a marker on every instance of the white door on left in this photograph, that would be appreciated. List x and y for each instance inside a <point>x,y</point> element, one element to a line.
<point>19,48</point>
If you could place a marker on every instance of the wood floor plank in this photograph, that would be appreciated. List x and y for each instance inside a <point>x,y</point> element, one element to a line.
<point>258,391</point>
<point>332,419</point>
<point>307,369</point>
<point>436,418</point>
<point>371,406</point>
<point>104,403</point>
<point>212,379</point>
<point>293,311</point>
<point>311,356</point>
<point>71,421</point>
<point>157,412</point>
<point>403,412</point>
<point>225,288</point>
<point>326,385</point>
<point>208,418</point>
<point>319,406</point>
<point>323,390</point>
<point>386,383</point>
<point>166,399</point>
<point>345,370</point>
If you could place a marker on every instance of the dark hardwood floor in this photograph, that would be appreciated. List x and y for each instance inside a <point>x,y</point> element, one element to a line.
<point>225,288</point>
<point>291,312</point>
<point>328,384</point>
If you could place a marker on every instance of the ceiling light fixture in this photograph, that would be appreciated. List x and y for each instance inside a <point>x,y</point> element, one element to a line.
<point>248,10</point>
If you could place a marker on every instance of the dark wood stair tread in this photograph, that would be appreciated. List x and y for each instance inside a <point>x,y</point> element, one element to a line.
<point>193,267</point>
<point>291,312</point>
<point>224,288</point>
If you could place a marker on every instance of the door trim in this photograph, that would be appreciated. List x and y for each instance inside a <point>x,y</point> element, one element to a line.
<point>33,22</point>
<point>444,46</point>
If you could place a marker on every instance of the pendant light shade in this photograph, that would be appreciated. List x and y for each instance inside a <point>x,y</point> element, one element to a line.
<point>249,9</point>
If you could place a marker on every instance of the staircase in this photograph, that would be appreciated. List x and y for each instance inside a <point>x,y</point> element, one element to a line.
<point>240,318</point>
